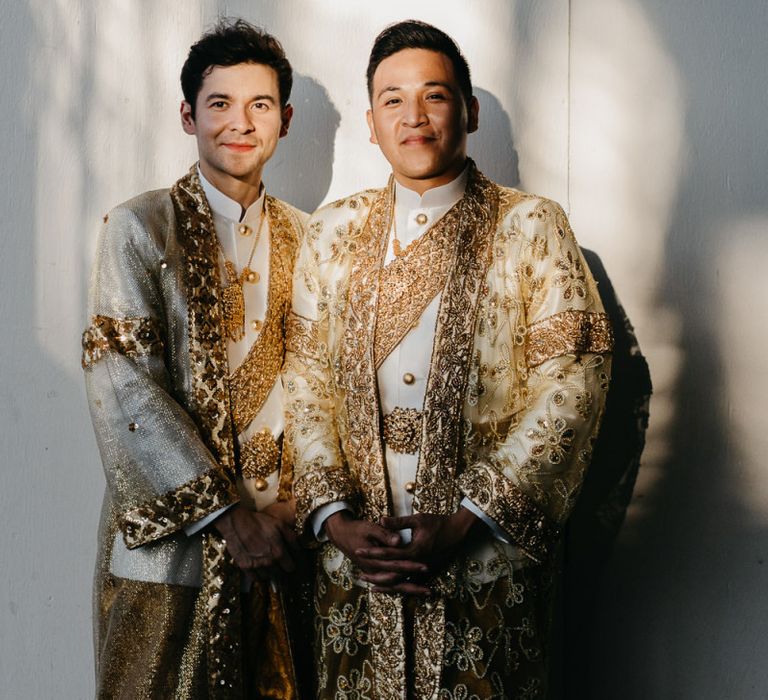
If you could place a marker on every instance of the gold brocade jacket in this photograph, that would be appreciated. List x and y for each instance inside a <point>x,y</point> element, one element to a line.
<point>163,401</point>
<point>519,371</point>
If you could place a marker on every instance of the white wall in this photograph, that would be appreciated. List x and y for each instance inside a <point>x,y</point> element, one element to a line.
<point>646,120</point>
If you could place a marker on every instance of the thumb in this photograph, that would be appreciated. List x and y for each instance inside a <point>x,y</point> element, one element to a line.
<point>401,523</point>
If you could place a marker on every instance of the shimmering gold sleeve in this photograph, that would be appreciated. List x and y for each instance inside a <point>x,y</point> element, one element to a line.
<point>160,473</point>
<point>311,434</point>
<point>528,481</point>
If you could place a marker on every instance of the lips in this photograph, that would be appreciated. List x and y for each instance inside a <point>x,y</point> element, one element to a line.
<point>239,147</point>
<point>417,140</point>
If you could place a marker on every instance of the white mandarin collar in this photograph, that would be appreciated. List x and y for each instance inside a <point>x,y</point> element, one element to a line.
<point>228,208</point>
<point>442,197</point>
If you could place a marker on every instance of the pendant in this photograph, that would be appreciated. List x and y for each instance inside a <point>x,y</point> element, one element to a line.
<point>251,275</point>
<point>234,311</point>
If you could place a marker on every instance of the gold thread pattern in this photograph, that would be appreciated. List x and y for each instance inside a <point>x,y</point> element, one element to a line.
<point>410,282</point>
<point>301,336</point>
<point>452,349</point>
<point>207,343</point>
<point>259,456</point>
<point>254,378</point>
<point>401,430</point>
<point>175,509</point>
<point>568,333</point>
<point>511,509</point>
<point>132,337</point>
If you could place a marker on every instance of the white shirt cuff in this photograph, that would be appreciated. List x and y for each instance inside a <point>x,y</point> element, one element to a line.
<point>498,533</point>
<point>207,520</point>
<point>322,514</point>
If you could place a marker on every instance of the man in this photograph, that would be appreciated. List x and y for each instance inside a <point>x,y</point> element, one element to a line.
<point>446,368</point>
<point>182,360</point>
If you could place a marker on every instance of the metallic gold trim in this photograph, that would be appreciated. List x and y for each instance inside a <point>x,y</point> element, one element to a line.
<point>387,632</point>
<point>451,352</point>
<point>132,337</point>
<point>568,333</point>
<point>259,456</point>
<point>175,509</point>
<point>254,378</point>
<point>511,509</point>
<point>401,430</point>
<point>207,342</point>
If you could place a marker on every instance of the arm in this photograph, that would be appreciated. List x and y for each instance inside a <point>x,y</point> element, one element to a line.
<point>528,481</point>
<point>311,438</point>
<point>161,475</point>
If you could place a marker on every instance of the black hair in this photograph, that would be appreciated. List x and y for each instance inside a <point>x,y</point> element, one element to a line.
<point>230,43</point>
<point>413,34</point>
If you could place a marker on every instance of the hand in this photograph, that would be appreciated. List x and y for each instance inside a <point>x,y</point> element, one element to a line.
<point>434,539</point>
<point>258,542</point>
<point>284,511</point>
<point>354,536</point>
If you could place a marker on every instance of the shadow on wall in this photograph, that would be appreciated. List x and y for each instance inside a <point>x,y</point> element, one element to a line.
<point>492,145</point>
<point>301,169</point>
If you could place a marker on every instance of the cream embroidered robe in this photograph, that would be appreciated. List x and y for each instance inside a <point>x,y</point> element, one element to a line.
<point>519,370</point>
<point>166,408</point>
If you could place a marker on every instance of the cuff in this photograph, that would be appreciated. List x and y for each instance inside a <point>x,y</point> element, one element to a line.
<point>318,518</point>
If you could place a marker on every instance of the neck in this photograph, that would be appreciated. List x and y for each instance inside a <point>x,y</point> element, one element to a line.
<point>245,191</point>
<point>420,186</point>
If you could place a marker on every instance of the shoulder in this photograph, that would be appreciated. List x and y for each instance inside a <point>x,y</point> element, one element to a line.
<point>347,208</point>
<point>149,211</point>
<point>532,216</point>
<point>291,219</point>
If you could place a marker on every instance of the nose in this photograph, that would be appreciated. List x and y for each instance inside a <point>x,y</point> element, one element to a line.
<point>414,113</point>
<point>241,120</point>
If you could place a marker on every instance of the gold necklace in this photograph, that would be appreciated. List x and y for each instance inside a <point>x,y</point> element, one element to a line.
<point>233,296</point>
<point>397,249</point>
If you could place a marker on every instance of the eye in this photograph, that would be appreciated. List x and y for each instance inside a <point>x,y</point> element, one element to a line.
<point>392,101</point>
<point>218,104</point>
<point>260,106</point>
<point>436,96</point>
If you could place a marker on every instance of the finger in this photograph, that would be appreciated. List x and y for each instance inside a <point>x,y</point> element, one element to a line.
<point>405,566</point>
<point>386,553</point>
<point>407,587</point>
<point>383,536</point>
<point>401,523</point>
<point>285,561</point>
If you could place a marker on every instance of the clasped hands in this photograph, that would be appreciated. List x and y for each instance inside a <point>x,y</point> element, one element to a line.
<point>388,563</point>
<point>262,543</point>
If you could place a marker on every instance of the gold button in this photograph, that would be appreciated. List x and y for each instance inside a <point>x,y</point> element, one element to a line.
<point>408,378</point>
<point>421,219</point>
<point>252,277</point>
<point>410,486</point>
<point>163,264</point>
<point>132,427</point>
<point>244,230</point>
<point>256,325</point>
<point>260,484</point>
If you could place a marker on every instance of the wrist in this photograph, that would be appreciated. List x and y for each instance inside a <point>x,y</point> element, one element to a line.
<point>335,521</point>
<point>464,521</point>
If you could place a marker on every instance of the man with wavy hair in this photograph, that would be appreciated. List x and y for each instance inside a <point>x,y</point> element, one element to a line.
<point>448,358</point>
<point>182,359</point>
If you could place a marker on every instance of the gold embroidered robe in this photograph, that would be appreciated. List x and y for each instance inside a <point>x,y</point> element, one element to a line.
<point>170,619</point>
<point>519,369</point>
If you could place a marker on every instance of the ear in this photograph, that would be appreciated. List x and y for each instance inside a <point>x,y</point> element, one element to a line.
<point>187,120</point>
<point>473,115</point>
<point>286,117</point>
<point>371,127</point>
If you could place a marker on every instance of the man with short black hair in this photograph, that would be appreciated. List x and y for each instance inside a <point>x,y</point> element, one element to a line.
<point>182,359</point>
<point>446,367</point>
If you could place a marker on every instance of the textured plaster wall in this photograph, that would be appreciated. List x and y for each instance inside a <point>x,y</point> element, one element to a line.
<point>645,119</point>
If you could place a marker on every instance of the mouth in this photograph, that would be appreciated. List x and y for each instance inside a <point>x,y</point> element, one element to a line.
<point>239,147</point>
<point>417,140</point>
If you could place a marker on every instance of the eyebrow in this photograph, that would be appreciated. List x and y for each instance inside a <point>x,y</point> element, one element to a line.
<point>429,83</point>
<point>255,98</point>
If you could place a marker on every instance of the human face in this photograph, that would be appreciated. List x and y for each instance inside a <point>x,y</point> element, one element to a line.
<point>419,118</point>
<point>238,122</point>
